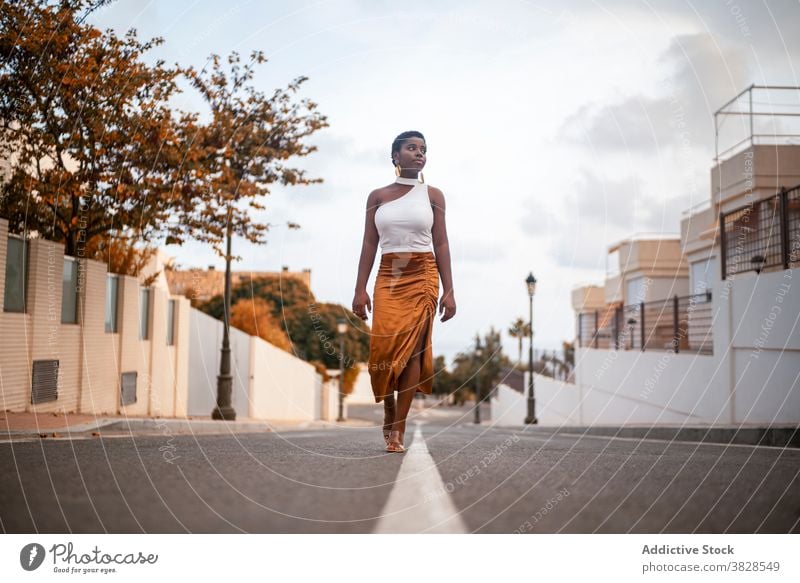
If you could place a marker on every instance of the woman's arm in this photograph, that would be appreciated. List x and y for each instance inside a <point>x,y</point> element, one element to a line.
<point>441,248</point>
<point>369,248</point>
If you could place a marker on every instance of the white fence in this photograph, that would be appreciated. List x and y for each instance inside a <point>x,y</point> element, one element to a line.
<point>753,376</point>
<point>557,403</point>
<point>268,383</point>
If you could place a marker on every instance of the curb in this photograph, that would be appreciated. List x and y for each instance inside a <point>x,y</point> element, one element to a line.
<point>781,436</point>
<point>166,426</point>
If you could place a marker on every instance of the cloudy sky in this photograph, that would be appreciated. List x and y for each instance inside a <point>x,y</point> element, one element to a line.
<point>554,129</point>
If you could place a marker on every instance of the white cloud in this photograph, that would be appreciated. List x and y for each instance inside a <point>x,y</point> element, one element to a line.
<point>699,76</point>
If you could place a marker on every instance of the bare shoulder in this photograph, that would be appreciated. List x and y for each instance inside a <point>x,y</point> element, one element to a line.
<point>380,192</point>
<point>436,195</point>
<point>375,196</point>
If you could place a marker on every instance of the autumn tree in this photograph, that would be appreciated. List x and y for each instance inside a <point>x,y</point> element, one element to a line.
<point>309,325</point>
<point>122,256</point>
<point>94,148</point>
<point>255,318</point>
<point>240,155</point>
<point>240,152</point>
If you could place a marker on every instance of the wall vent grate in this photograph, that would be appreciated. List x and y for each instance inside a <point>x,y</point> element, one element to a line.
<point>44,381</point>
<point>128,387</point>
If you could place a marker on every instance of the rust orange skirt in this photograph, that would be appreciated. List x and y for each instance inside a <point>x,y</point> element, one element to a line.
<point>403,308</point>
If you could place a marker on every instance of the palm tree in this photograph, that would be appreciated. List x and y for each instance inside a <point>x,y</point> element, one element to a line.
<point>519,329</point>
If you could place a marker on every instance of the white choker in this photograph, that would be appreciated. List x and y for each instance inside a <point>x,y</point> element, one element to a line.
<point>410,181</point>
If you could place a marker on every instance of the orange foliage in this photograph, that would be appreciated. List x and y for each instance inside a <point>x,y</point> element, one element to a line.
<point>254,317</point>
<point>121,255</point>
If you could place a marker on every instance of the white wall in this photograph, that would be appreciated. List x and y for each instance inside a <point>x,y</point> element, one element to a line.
<point>282,385</point>
<point>205,343</point>
<point>268,383</point>
<point>557,403</point>
<point>761,362</point>
<point>631,386</point>
<point>329,401</point>
<point>362,391</point>
<point>753,375</point>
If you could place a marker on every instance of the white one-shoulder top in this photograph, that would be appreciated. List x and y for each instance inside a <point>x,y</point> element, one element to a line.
<point>405,223</point>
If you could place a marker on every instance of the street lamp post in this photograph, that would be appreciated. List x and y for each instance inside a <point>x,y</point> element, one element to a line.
<point>224,409</point>
<point>478,353</point>
<point>631,323</point>
<point>531,418</point>
<point>341,327</point>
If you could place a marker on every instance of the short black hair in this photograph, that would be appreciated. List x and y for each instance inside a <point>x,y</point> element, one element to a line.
<point>401,138</point>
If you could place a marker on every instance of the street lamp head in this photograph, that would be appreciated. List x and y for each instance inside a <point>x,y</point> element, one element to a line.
<point>341,326</point>
<point>531,281</point>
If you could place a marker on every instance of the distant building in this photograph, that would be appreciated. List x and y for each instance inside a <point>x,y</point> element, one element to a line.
<point>203,284</point>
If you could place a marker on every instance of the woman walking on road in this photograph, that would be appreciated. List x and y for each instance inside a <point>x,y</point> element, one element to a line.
<point>407,219</point>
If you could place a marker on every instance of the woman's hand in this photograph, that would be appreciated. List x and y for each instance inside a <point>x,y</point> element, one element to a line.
<point>448,304</point>
<point>360,302</point>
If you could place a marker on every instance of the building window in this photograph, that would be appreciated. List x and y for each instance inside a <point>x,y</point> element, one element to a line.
<point>69,292</point>
<point>170,322</point>
<point>636,291</point>
<point>612,263</point>
<point>16,282</point>
<point>702,273</point>
<point>112,287</point>
<point>144,313</point>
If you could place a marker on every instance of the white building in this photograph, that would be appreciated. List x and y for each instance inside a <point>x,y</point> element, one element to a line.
<point>76,338</point>
<point>704,329</point>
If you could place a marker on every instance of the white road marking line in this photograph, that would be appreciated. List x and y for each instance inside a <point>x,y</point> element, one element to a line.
<point>419,502</point>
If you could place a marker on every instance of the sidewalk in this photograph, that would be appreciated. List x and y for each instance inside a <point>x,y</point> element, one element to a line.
<point>43,425</point>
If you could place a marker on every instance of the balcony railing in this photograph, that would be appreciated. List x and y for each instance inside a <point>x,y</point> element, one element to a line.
<point>761,114</point>
<point>762,235</point>
<point>680,324</point>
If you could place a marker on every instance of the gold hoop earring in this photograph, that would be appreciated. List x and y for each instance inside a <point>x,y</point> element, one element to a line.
<point>397,170</point>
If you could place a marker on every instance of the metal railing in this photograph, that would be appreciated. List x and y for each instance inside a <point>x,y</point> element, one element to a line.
<point>764,234</point>
<point>761,114</point>
<point>679,324</point>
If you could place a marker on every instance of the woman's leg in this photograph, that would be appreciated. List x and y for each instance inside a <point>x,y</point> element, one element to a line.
<point>389,412</point>
<point>407,384</point>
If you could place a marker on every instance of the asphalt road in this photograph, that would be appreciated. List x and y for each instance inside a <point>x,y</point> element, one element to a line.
<point>455,477</point>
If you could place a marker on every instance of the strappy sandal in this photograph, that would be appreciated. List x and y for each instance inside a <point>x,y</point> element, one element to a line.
<point>395,444</point>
